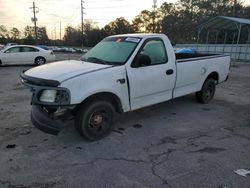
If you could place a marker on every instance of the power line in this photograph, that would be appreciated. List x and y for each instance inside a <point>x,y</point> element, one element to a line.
<point>104,1</point>
<point>110,7</point>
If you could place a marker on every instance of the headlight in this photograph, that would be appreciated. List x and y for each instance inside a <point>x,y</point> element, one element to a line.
<point>61,97</point>
<point>48,96</point>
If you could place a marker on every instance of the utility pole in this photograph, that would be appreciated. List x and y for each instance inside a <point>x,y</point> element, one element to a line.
<point>82,20</point>
<point>234,9</point>
<point>34,19</point>
<point>52,37</point>
<point>154,11</point>
<point>55,34</point>
<point>60,31</point>
<point>192,10</point>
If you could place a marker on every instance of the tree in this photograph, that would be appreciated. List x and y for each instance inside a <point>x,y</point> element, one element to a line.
<point>142,21</point>
<point>15,33</point>
<point>72,36</point>
<point>3,32</point>
<point>119,26</point>
<point>29,31</point>
<point>94,36</point>
<point>29,35</point>
<point>147,22</point>
<point>42,37</point>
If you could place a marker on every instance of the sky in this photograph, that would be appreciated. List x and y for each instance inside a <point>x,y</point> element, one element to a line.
<point>17,13</point>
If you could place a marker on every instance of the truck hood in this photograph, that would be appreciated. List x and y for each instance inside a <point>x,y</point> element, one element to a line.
<point>63,70</point>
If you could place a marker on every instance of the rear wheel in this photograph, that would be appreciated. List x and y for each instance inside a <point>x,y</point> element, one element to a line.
<point>40,61</point>
<point>94,120</point>
<point>206,94</point>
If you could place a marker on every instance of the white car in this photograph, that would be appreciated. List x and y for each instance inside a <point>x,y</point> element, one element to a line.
<point>24,54</point>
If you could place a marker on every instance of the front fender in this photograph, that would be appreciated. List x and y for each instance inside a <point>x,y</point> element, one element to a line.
<point>103,81</point>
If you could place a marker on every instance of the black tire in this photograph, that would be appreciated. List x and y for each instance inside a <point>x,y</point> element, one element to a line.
<point>206,94</point>
<point>94,120</point>
<point>40,61</point>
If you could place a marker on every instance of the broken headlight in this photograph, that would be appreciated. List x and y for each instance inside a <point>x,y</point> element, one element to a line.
<point>55,96</point>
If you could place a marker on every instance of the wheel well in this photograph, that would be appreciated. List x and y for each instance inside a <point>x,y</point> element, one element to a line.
<point>214,75</point>
<point>112,98</point>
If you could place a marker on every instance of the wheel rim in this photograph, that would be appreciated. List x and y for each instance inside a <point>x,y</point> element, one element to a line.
<point>209,93</point>
<point>99,121</point>
<point>40,61</point>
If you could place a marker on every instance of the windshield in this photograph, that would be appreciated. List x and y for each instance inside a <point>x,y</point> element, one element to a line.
<point>113,50</point>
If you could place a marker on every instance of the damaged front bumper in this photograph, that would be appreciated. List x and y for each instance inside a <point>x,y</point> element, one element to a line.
<point>43,121</point>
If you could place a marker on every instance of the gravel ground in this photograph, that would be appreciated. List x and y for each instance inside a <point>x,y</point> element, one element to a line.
<point>179,143</point>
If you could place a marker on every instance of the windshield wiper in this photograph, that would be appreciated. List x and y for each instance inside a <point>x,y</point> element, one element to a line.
<point>101,61</point>
<point>97,60</point>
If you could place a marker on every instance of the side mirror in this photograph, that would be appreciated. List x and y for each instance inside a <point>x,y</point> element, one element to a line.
<point>7,51</point>
<point>142,60</point>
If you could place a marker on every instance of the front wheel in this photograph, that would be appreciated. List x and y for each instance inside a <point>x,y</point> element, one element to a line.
<point>206,94</point>
<point>40,61</point>
<point>94,120</point>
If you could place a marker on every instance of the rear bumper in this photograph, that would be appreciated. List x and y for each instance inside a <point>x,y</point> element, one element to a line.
<point>44,122</point>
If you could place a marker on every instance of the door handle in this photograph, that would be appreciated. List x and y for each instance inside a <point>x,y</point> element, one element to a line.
<point>169,71</point>
<point>121,80</point>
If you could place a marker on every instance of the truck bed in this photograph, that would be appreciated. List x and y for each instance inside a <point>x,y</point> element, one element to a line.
<point>183,57</point>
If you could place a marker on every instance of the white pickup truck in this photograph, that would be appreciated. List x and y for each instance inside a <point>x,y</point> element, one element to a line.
<point>120,74</point>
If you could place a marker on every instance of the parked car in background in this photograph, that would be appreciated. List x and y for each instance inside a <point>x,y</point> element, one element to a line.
<point>10,44</point>
<point>1,46</point>
<point>43,47</point>
<point>23,54</point>
<point>67,49</point>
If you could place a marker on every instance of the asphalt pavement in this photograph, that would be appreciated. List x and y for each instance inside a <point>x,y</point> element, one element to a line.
<point>179,143</point>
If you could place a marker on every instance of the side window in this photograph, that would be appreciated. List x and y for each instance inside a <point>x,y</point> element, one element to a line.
<point>13,50</point>
<point>29,49</point>
<point>153,53</point>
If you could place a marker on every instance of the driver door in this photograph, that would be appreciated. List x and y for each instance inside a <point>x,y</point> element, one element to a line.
<point>151,81</point>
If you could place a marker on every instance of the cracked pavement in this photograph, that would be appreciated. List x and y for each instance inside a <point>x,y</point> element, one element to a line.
<point>179,143</point>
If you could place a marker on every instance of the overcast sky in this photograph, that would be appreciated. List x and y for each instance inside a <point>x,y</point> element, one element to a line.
<point>17,13</point>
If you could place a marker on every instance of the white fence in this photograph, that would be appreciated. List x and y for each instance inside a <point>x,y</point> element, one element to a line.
<point>237,52</point>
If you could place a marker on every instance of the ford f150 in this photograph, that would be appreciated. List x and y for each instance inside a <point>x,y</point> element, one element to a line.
<point>120,74</point>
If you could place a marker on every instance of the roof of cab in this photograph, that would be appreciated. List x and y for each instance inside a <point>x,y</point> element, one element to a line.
<point>140,35</point>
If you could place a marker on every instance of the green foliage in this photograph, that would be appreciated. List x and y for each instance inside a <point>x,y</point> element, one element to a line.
<point>147,22</point>
<point>72,36</point>
<point>15,33</point>
<point>119,26</point>
<point>29,35</point>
